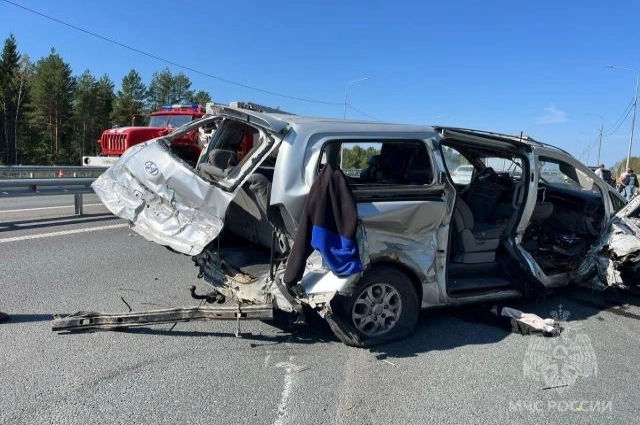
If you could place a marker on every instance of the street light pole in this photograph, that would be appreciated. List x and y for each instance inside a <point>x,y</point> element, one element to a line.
<point>635,104</point>
<point>346,94</point>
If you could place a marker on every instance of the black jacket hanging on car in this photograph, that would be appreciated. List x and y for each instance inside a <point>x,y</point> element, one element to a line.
<point>328,224</point>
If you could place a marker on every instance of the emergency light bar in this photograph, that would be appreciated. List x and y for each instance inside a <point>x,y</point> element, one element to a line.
<point>180,106</point>
<point>257,107</point>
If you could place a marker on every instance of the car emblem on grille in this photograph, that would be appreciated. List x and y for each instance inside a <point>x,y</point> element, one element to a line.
<point>151,168</point>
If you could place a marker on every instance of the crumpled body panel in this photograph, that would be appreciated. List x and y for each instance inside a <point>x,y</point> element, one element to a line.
<point>165,201</point>
<point>403,232</point>
<point>618,263</point>
<point>622,240</point>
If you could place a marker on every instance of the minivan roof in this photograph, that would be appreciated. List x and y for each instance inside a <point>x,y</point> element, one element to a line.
<point>278,122</point>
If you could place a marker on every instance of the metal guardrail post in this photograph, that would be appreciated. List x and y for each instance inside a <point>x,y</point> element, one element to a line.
<point>10,188</point>
<point>15,183</point>
<point>77,203</point>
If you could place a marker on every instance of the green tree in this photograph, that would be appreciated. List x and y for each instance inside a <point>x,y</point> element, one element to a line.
<point>130,99</point>
<point>9,70</point>
<point>91,109</point>
<point>620,166</point>
<point>180,89</point>
<point>105,99</point>
<point>166,89</point>
<point>160,89</point>
<point>52,91</point>
<point>22,83</point>
<point>84,107</point>
<point>201,98</point>
<point>356,158</point>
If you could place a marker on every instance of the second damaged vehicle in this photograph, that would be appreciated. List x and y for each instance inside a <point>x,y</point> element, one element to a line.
<point>362,222</point>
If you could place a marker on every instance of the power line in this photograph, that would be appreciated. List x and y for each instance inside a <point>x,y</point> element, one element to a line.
<point>170,62</point>
<point>619,121</point>
<point>363,113</point>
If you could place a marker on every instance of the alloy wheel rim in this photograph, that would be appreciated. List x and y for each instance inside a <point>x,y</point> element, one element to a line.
<point>376,309</point>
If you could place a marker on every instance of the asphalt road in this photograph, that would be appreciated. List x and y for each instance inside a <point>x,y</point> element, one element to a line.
<point>454,370</point>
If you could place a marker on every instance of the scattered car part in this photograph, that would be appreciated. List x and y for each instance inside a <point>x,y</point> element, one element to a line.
<point>109,321</point>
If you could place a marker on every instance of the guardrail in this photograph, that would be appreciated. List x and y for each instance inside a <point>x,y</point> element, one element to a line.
<point>10,188</point>
<point>49,171</point>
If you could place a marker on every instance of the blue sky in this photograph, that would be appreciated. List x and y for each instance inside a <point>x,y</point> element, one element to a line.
<point>537,67</point>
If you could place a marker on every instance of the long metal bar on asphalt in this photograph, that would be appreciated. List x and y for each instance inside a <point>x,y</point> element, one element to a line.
<point>95,320</point>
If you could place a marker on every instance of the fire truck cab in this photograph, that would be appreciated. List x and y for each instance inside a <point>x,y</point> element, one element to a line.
<point>115,141</point>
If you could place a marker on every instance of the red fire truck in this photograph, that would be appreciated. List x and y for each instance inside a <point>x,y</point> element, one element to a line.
<point>115,141</point>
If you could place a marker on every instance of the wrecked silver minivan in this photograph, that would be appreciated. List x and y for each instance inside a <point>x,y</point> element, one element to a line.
<point>362,222</point>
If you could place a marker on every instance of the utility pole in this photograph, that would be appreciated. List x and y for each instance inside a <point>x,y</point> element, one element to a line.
<point>635,104</point>
<point>600,143</point>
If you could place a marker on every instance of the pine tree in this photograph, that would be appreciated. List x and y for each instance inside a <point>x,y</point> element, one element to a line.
<point>105,100</point>
<point>22,84</point>
<point>9,68</point>
<point>167,89</point>
<point>180,89</point>
<point>92,107</point>
<point>52,95</point>
<point>160,89</point>
<point>130,99</point>
<point>201,98</point>
<point>84,109</point>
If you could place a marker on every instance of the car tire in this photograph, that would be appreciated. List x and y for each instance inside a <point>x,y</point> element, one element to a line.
<point>383,308</point>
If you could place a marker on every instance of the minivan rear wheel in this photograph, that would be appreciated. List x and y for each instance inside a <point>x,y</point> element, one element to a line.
<point>382,308</point>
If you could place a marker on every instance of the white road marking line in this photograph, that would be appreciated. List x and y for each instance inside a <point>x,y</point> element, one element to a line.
<point>63,233</point>
<point>286,392</point>
<point>45,208</point>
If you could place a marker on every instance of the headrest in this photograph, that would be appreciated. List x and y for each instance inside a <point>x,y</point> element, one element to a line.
<point>222,158</point>
<point>375,160</point>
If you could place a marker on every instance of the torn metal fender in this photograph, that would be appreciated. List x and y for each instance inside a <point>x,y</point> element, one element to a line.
<point>622,240</point>
<point>620,248</point>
